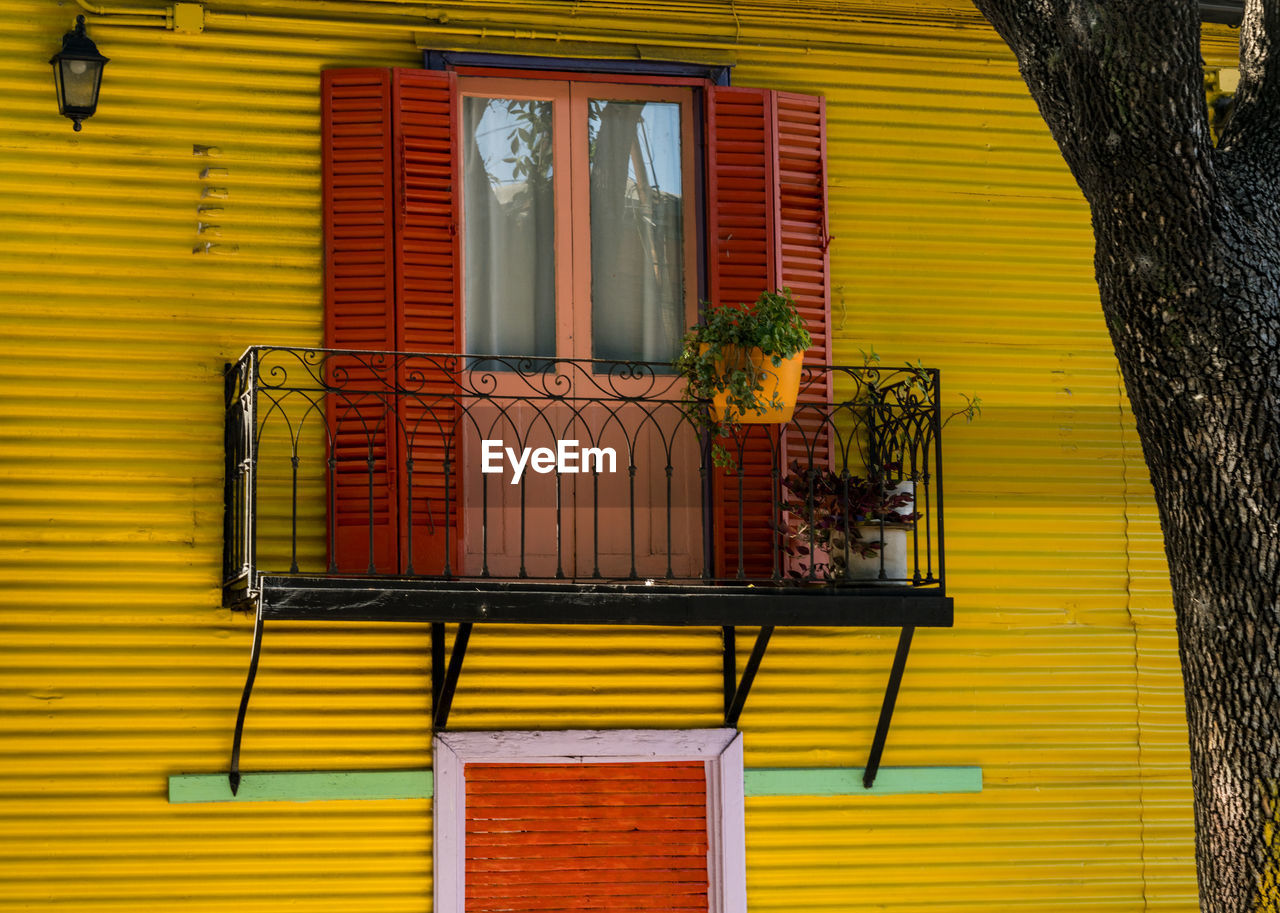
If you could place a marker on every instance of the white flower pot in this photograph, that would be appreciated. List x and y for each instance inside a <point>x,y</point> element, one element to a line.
<point>886,564</point>
<point>891,556</point>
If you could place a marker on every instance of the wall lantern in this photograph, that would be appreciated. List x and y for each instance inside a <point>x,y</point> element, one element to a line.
<point>77,74</point>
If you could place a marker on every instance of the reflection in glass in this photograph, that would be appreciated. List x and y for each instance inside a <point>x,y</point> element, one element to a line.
<point>637,230</point>
<point>510,228</point>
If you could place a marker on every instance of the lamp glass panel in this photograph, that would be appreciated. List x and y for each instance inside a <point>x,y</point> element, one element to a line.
<point>80,82</point>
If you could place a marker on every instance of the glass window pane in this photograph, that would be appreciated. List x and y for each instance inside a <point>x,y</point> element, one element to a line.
<point>510,227</point>
<point>637,230</point>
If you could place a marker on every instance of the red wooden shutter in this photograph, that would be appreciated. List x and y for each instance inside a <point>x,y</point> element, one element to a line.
<point>428,317</point>
<point>766,199</point>
<point>741,193</point>
<point>359,314</point>
<point>803,262</point>
<point>742,262</point>
<point>606,838</point>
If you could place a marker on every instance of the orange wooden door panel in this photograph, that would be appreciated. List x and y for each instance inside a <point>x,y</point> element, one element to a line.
<point>604,838</point>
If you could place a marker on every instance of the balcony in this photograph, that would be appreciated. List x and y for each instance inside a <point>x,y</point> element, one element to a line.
<point>461,490</point>
<point>395,475</point>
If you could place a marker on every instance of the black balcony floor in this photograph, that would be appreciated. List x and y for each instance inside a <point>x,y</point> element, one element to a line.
<point>303,597</point>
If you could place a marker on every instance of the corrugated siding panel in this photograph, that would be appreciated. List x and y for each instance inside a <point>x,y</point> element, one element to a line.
<point>959,240</point>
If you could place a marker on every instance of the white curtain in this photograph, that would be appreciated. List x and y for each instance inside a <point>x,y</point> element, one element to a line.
<point>637,237</point>
<point>510,227</point>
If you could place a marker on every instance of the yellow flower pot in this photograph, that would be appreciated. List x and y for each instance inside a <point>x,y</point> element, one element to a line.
<point>783,380</point>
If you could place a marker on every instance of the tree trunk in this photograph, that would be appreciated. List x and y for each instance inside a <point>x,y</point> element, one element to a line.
<point>1188,269</point>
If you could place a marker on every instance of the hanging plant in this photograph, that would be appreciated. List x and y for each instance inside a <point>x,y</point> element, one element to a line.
<point>742,365</point>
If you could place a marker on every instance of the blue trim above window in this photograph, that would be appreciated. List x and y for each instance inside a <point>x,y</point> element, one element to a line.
<point>445,60</point>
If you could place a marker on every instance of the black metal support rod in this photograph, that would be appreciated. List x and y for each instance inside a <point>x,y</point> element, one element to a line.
<point>777,459</point>
<point>560,521</point>
<point>250,396</point>
<point>408,528</point>
<point>706,488</point>
<point>293,514</point>
<point>333,507</point>
<point>742,541</point>
<point>669,469</point>
<point>233,775</point>
<point>440,717</point>
<point>595,525</point>
<point>448,509</point>
<point>631,512</point>
<point>484,526</point>
<point>371,463</point>
<point>748,676</point>
<point>730,637</point>
<point>886,709</point>
<point>524,572</point>
<point>937,470</point>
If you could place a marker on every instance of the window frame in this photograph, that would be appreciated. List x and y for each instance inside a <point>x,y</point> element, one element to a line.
<point>719,749</point>
<point>568,92</point>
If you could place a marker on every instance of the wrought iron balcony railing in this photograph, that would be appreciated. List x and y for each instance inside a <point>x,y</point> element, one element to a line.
<point>441,467</point>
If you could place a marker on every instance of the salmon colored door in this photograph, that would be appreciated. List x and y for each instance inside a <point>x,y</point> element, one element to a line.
<point>579,251</point>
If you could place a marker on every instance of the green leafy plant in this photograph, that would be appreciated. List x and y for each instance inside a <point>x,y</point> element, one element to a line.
<point>713,359</point>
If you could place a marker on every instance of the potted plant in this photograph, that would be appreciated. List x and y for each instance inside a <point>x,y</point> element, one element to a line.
<point>745,363</point>
<point>850,528</point>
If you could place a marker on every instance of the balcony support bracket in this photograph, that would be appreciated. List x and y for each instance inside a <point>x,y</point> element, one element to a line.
<point>886,709</point>
<point>736,689</point>
<point>444,681</point>
<point>233,775</point>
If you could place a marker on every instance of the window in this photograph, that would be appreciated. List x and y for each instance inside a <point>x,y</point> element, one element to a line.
<point>628,820</point>
<point>578,231</point>
<point>423,222</point>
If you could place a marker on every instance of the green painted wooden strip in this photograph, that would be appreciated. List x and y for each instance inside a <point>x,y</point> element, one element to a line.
<point>333,785</point>
<point>847,781</point>
<point>308,786</point>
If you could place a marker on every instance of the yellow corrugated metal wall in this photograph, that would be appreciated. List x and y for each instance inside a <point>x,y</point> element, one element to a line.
<point>959,239</point>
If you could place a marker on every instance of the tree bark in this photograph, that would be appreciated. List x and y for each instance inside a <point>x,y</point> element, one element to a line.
<point>1188,268</point>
